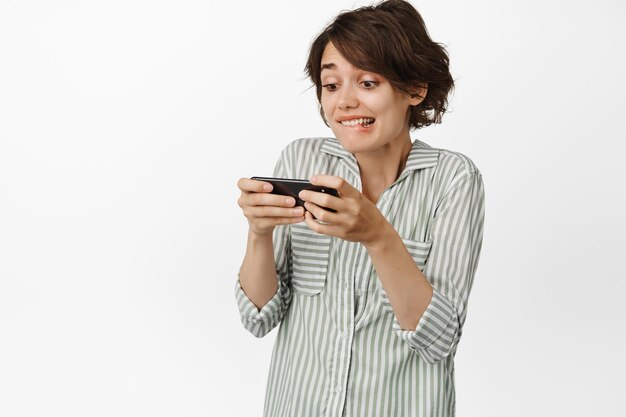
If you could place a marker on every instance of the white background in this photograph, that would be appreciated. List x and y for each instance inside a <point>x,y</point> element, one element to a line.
<point>124,126</point>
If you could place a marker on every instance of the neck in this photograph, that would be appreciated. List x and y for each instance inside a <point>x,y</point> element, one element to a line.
<point>381,168</point>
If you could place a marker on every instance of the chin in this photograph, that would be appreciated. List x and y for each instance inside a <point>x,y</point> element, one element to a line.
<point>356,142</point>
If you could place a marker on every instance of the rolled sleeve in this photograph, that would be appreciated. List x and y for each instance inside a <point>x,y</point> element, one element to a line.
<point>436,329</point>
<point>259,322</point>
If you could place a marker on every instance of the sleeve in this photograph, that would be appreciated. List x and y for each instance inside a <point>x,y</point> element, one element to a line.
<point>261,322</point>
<point>456,234</point>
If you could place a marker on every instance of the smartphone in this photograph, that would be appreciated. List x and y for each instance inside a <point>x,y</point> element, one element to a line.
<point>292,187</point>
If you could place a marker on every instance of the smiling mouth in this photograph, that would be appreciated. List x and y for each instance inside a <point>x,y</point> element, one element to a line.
<point>365,122</point>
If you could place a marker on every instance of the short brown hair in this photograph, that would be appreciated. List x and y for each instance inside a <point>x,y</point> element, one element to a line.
<point>389,39</point>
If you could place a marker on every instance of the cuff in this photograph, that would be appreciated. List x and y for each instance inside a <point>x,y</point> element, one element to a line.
<point>436,324</point>
<point>249,312</point>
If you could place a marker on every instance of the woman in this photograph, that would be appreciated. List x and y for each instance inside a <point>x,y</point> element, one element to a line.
<point>371,298</point>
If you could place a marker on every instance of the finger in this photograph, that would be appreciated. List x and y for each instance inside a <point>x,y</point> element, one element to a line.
<point>256,186</point>
<point>310,221</point>
<point>270,211</point>
<point>277,221</point>
<point>338,183</point>
<point>321,199</point>
<point>266,199</point>
<point>320,214</point>
<point>318,227</point>
<point>271,222</point>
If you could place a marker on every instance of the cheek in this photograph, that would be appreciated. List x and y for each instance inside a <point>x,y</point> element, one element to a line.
<point>380,104</point>
<point>396,111</point>
<point>325,103</point>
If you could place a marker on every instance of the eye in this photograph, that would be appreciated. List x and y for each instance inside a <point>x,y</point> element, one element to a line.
<point>330,86</point>
<point>369,85</point>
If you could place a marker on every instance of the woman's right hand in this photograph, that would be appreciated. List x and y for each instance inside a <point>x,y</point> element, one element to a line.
<point>265,211</point>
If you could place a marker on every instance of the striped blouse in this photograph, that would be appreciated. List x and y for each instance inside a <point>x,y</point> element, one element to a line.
<point>340,350</point>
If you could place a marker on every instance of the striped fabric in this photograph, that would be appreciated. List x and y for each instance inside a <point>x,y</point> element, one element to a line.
<point>340,350</point>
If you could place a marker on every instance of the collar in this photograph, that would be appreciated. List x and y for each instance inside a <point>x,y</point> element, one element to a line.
<point>421,154</point>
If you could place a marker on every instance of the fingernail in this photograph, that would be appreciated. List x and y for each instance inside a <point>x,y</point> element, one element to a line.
<point>267,187</point>
<point>298,210</point>
<point>290,201</point>
<point>302,194</point>
<point>313,178</point>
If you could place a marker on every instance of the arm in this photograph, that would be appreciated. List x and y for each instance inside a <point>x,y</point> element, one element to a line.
<point>262,290</point>
<point>456,232</point>
<point>257,275</point>
<point>408,290</point>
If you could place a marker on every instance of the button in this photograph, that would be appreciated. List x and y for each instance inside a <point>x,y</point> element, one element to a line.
<point>342,334</point>
<point>338,389</point>
<point>359,293</point>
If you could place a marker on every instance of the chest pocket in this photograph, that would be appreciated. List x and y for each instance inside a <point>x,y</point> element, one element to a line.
<point>310,252</point>
<point>419,251</point>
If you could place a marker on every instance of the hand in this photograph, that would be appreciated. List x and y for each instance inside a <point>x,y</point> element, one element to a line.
<point>357,218</point>
<point>265,211</point>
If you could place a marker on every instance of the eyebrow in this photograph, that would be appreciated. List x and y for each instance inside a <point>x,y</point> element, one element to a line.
<point>329,66</point>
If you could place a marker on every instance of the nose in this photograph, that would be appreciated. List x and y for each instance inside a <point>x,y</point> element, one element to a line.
<point>347,97</point>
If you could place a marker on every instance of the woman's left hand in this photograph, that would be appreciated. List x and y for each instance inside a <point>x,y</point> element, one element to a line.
<point>357,218</point>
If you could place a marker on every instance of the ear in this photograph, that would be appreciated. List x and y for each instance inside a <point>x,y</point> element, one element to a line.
<point>418,95</point>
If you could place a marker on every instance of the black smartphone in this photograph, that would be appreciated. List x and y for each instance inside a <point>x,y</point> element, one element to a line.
<point>292,187</point>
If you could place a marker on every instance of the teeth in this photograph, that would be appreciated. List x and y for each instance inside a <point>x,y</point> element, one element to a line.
<point>364,121</point>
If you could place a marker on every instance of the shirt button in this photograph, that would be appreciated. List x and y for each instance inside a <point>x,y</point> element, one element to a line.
<point>359,293</point>
<point>342,334</point>
<point>338,389</point>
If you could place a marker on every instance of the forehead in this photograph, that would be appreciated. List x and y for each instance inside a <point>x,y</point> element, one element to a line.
<point>332,59</point>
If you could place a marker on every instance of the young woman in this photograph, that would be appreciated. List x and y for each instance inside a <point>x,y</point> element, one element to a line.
<point>371,298</point>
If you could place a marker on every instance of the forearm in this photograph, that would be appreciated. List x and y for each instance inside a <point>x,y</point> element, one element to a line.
<point>407,288</point>
<point>257,275</point>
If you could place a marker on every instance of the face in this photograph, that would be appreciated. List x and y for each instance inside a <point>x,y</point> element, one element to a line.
<point>364,111</point>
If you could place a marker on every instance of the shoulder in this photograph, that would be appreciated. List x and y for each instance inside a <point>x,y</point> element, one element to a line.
<point>296,147</point>
<point>303,156</point>
<point>452,162</point>
<point>305,150</point>
<point>451,168</point>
